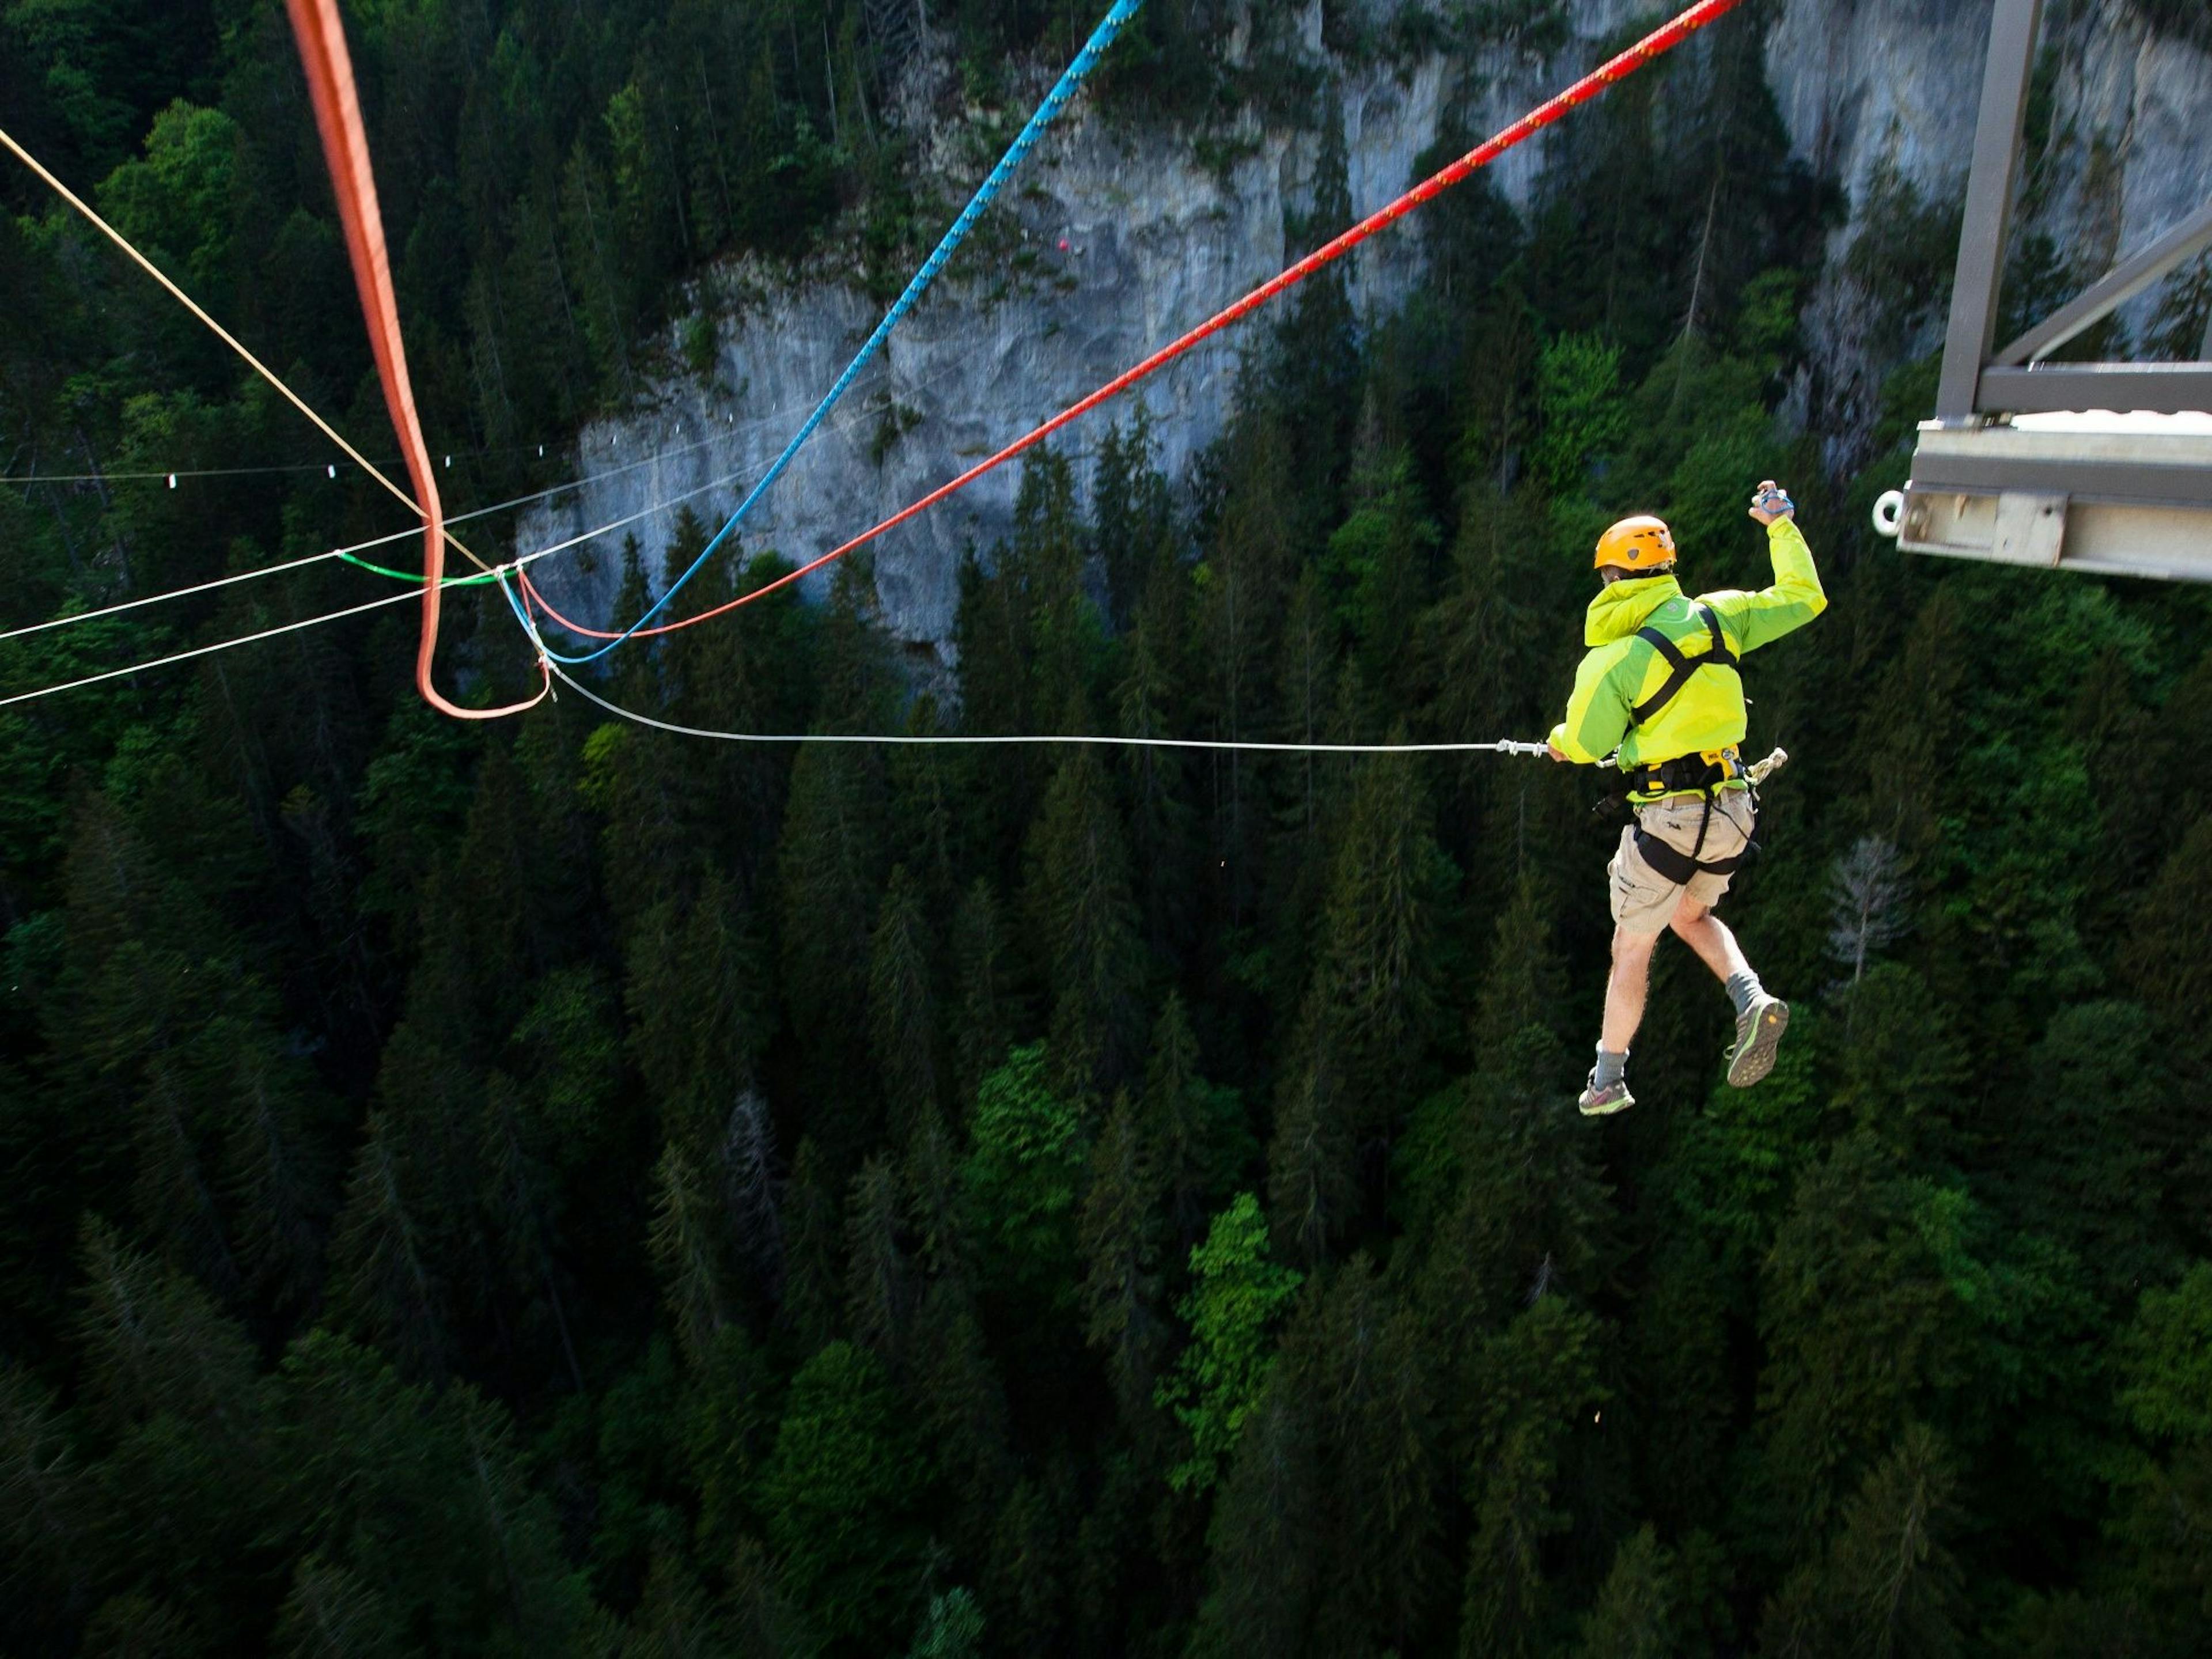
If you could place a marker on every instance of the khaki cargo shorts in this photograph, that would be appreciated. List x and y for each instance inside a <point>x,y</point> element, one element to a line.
<point>1643,901</point>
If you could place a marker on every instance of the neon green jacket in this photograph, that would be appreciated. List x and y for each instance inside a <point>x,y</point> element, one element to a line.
<point>1621,670</point>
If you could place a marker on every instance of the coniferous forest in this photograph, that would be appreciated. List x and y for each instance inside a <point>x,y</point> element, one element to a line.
<point>554,1188</point>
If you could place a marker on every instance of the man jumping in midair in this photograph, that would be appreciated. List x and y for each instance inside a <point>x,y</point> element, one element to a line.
<point>1661,693</point>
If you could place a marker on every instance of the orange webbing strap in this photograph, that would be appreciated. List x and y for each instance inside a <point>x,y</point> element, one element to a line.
<point>321,37</point>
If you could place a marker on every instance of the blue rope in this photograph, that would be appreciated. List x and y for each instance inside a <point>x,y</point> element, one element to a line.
<point>1056,100</point>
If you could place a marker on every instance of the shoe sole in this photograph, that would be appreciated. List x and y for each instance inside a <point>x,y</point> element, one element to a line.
<point>1756,1059</point>
<point>1621,1105</point>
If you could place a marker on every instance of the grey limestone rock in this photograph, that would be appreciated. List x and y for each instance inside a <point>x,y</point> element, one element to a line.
<point>1120,235</point>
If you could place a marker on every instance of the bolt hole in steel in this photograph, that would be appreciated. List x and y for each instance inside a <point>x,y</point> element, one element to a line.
<point>1889,513</point>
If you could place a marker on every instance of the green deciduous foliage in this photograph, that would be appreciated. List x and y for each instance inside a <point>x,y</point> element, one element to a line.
<point>841,1496</point>
<point>1023,1172</point>
<point>1236,1294</point>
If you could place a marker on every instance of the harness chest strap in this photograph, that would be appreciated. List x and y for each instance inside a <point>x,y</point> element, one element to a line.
<point>1680,668</point>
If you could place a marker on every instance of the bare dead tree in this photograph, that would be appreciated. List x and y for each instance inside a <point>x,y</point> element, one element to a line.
<point>1867,900</point>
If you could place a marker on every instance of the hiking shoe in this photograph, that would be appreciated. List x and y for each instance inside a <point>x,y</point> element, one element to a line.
<point>1604,1103</point>
<point>1758,1031</point>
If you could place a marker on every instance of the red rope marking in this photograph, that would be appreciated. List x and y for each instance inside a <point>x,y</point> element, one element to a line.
<point>321,39</point>
<point>1663,39</point>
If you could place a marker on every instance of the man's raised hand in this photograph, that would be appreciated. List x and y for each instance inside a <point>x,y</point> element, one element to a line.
<point>1771,502</point>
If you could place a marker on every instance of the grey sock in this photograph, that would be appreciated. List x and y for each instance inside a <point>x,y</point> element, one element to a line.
<point>1742,989</point>
<point>1612,1069</point>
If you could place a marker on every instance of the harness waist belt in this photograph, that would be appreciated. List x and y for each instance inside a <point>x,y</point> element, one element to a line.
<point>1685,774</point>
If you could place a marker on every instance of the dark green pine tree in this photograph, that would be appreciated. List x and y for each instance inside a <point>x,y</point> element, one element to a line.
<point>423,1494</point>
<point>1243,586</point>
<point>901,1006</point>
<point>829,875</point>
<point>963,1409</point>
<point>984,1025</point>
<point>186,1483</point>
<point>1888,1582</point>
<point>1323,1541</point>
<point>696,992</point>
<point>1383,1476</point>
<point>521,1203</point>
<point>1133,516</point>
<point>928,784</point>
<point>1313,1188</point>
<point>332,1608</point>
<point>1196,1131</point>
<point>1119,1233</point>
<point>388,1282</point>
<point>1538,1380</point>
<point>1488,661</point>
<point>1860,1320</point>
<point>1374,989</point>
<point>687,1246</point>
<point>992,631</point>
<point>813,1280</point>
<point>1379,564</point>
<point>934,1199</point>
<point>1049,553</point>
<point>879,1290</point>
<point>635,680</point>
<point>1261,1544</point>
<point>1499,1163</point>
<point>1083,913</point>
<point>1635,1613</point>
<point>50,1509</point>
<point>858,685</point>
<point>1163,821</point>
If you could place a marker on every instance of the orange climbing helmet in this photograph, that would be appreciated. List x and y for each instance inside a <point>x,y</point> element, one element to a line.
<point>1641,544</point>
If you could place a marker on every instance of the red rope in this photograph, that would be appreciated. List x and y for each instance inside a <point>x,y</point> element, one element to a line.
<point>321,39</point>
<point>1660,40</point>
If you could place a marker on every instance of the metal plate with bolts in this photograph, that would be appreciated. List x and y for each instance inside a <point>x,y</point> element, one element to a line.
<point>2012,528</point>
<point>2030,529</point>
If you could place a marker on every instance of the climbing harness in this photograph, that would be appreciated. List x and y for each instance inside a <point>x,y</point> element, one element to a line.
<point>1681,868</point>
<point>1703,774</point>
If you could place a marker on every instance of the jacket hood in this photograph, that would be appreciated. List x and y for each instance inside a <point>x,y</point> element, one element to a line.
<point>1624,607</point>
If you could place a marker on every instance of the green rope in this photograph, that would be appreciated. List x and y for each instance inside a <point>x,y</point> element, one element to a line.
<point>416,575</point>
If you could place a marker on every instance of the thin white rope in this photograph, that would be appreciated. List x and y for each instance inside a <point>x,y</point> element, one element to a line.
<point>11,478</point>
<point>399,597</point>
<point>75,617</point>
<point>1503,746</point>
<point>208,650</point>
<point>751,423</point>
<point>224,334</point>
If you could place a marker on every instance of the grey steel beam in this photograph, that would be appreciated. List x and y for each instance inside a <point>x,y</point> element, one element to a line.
<point>2125,280</point>
<point>2100,481</point>
<point>1989,205</point>
<point>2163,388</point>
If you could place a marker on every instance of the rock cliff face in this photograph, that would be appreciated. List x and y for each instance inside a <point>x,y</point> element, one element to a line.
<point>1120,236</point>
